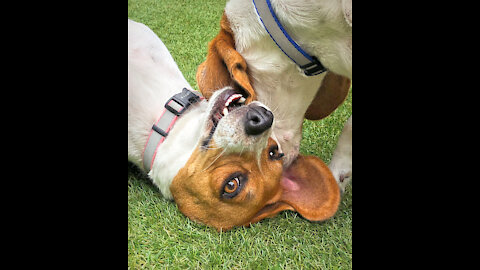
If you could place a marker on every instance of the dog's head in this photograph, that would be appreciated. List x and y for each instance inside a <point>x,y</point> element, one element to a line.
<point>224,66</point>
<point>235,175</point>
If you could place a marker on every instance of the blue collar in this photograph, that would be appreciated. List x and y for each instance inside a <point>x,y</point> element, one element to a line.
<point>309,64</point>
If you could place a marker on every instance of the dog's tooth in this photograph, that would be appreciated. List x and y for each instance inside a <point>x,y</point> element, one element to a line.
<point>229,100</point>
<point>242,100</point>
<point>225,111</point>
<point>232,98</point>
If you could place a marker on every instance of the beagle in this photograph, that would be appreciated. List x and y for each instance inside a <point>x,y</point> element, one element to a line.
<point>294,56</point>
<point>215,159</point>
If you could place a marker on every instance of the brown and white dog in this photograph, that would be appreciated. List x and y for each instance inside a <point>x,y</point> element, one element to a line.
<point>219,166</point>
<point>244,55</point>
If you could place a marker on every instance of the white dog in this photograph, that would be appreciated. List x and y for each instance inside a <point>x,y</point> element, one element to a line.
<point>284,45</point>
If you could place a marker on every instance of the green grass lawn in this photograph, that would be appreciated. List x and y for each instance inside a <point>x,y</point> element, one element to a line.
<point>159,236</point>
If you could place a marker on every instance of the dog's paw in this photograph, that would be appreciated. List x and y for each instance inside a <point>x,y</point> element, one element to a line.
<point>343,177</point>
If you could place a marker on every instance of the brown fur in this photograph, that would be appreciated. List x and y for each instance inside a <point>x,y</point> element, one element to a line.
<point>197,188</point>
<point>332,92</point>
<point>224,66</point>
<point>319,196</point>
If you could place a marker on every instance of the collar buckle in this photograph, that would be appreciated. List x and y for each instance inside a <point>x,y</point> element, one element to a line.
<point>181,101</point>
<point>308,63</point>
<point>313,68</point>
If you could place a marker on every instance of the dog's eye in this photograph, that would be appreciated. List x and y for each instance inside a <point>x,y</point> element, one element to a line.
<point>232,185</point>
<point>273,153</point>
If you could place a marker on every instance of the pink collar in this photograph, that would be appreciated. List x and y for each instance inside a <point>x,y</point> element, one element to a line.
<point>174,108</point>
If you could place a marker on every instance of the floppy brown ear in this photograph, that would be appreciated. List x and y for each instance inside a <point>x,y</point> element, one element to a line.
<point>224,66</point>
<point>330,95</point>
<point>309,188</point>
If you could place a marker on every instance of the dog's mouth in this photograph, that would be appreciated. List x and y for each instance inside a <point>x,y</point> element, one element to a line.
<point>226,102</point>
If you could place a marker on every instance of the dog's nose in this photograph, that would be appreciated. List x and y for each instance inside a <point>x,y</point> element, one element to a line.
<point>257,120</point>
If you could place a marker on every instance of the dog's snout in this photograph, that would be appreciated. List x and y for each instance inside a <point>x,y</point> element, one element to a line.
<point>257,120</point>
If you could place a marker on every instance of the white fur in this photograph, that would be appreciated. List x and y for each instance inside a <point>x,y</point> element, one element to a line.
<point>230,133</point>
<point>153,77</point>
<point>341,163</point>
<point>322,28</point>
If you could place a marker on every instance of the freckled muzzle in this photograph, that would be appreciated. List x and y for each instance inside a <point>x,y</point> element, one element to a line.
<point>237,127</point>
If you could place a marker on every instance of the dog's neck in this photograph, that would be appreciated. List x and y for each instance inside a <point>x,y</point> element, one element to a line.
<point>319,27</point>
<point>174,151</point>
<point>177,148</point>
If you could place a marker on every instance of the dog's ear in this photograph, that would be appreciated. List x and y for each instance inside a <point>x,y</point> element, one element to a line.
<point>330,95</point>
<point>309,188</point>
<point>224,66</point>
<point>347,10</point>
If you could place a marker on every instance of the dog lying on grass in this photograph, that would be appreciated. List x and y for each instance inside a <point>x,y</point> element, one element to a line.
<point>215,159</point>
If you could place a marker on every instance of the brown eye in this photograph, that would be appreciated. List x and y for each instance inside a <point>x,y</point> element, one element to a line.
<point>273,153</point>
<point>231,185</point>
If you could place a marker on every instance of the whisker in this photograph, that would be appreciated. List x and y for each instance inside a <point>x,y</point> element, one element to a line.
<point>224,150</point>
<point>259,164</point>
<point>211,147</point>
<point>274,111</point>
<point>243,148</point>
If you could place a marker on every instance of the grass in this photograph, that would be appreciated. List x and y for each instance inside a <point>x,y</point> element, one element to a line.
<point>160,237</point>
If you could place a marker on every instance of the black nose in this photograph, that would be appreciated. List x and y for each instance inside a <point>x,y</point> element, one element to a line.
<point>257,120</point>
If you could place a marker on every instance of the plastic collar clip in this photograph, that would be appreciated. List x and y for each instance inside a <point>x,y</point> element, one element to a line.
<point>181,101</point>
<point>313,68</point>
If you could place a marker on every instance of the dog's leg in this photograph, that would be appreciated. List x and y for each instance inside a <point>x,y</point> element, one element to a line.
<point>341,163</point>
